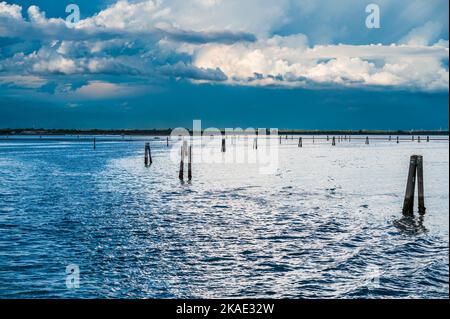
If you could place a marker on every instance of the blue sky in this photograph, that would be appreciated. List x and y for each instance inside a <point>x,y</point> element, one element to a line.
<point>287,63</point>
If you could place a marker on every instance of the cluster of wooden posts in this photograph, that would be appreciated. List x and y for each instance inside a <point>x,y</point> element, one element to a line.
<point>185,152</point>
<point>300,141</point>
<point>345,138</point>
<point>415,168</point>
<point>415,173</point>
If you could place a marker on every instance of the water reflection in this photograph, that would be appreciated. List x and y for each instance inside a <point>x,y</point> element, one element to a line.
<point>411,225</point>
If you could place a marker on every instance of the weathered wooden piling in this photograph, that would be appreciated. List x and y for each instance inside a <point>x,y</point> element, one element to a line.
<point>148,155</point>
<point>190,163</point>
<point>300,142</point>
<point>408,204</point>
<point>420,186</point>
<point>185,148</point>
<point>224,148</point>
<point>333,143</point>
<point>181,173</point>
<point>146,160</point>
<point>367,140</point>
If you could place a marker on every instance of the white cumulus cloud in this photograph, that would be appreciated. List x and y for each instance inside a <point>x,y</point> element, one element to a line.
<point>289,61</point>
<point>234,42</point>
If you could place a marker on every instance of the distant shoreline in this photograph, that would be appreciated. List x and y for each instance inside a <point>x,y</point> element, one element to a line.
<point>165,132</point>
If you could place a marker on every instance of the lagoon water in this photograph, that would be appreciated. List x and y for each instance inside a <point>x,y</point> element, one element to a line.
<point>327,224</point>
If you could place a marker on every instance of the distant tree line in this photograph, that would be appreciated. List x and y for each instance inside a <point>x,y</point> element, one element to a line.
<point>167,131</point>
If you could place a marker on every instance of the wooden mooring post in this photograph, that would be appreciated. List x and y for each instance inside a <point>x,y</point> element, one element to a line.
<point>367,140</point>
<point>333,143</point>
<point>415,170</point>
<point>185,148</point>
<point>300,142</point>
<point>148,155</point>
<point>190,163</point>
<point>255,143</point>
<point>420,186</point>
<point>181,172</point>
<point>224,147</point>
<point>408,204</point>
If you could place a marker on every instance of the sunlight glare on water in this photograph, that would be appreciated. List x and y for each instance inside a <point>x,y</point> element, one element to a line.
<point>327,224</point>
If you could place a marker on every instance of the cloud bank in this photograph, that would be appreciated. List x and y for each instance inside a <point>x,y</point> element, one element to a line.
<point>254,43</point>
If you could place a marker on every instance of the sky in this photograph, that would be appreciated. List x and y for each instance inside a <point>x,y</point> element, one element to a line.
<point>297,64</point>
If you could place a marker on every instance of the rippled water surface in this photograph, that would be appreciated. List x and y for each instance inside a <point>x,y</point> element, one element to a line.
<point>327,224</point>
